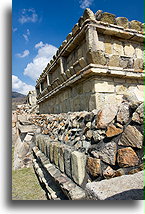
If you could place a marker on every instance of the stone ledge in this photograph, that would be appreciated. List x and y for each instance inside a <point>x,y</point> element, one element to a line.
<point>126,187</point>
<point>91,70</point>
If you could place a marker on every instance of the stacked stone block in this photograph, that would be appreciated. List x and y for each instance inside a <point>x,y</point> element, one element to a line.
<point>95,145</point>
<point>100,46</point>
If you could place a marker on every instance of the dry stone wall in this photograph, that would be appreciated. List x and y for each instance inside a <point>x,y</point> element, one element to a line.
<point>69,151</point>
<point>95,145</point>
<point>101,58</point>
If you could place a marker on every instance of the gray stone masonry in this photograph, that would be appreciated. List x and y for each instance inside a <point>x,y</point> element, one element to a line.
<point>101,59</point>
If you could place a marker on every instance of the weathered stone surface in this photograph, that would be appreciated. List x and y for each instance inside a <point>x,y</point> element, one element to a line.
<point>118,48</point>
<point>29,137</point>
<point>127,157</point>
<point>93,166</point>
<point>61,158</point>
<point>98,135</point>
<point>123,113</point>
<point>122,21</point>
<point>51,152</point>
<point>26,128</point>
<point>127,187</point>
<point>88,14</point>
<point>113,131</point>
<point>67,161</point>
<point>129,50</point>
<point>108,153</point>
<point>89,134</point>
<point>131,137</point>
<point>108,173</point>
<point>23,150</point>
<point>108,18</point>
<point>97,57</point>
<point>106,115</point>
<point>104,87</point>
<point>114,61</point>
<point>77,194</point>
<point>56,153</point>
<point>136,25</point>
<point>134,97</point>
<point>119,172</point>
<point>78,163</point>
<point>108,45</point>
<point>75,29</point>
<point>138,169</point>
<point>138,115</point>
<point>138,65</point>
<point>126,62</point>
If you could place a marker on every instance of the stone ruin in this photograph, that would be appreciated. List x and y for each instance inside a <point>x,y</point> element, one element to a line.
<point>100,61</point>
<point>86,141</point>
<point>31,98</point>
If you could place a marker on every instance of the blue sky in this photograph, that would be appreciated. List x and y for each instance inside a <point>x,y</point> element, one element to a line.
<point>40,26</point>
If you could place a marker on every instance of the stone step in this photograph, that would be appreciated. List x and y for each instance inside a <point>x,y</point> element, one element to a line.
<point>126,187</point>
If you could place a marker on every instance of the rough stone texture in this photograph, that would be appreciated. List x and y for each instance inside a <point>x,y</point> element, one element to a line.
<point>108,18</point>
<point>122,21</point>
<point>61,158</point>
<point>67,161</point>
<point>51,152</point>
<point>56,154</point>
<point>135,25</point>
<point>93,166</point>
<point>108,173</point>
<point>88,14</point>
<point>140,168</point>
<point>106,115</point>
<point>77,194</point>
<point>113,131</point>
<point>108,153</point>
<point>107,48</point>
<point>127,157</point>
<point>131,137</point>
<point>119,172</point>
<point>127,187</point>
<point>78,131</point>
<point>138,115</point>
<point>78,162</point>
<point>114,61</point>
<point>123,113</point>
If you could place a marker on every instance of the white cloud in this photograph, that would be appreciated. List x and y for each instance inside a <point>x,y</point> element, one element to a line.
<point>28,15</point>
<point>14,29</point>
<point>39,45</point>
<point>44,55</point>
<point>19,86</point>
<point>26,36</point>
<point>24,54</point>
<point>85,3</point>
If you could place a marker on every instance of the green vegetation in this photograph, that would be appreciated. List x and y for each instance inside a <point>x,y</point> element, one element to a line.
<point>25,185</point>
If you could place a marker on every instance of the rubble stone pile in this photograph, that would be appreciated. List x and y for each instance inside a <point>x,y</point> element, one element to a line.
<point>93,145</point>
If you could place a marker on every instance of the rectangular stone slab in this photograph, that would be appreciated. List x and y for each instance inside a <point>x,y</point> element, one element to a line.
<point>126,187</point>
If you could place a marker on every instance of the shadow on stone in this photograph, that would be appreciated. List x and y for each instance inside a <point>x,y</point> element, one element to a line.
<point>133,194</point>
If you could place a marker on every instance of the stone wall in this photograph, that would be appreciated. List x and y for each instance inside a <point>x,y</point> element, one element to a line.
<point>102,57</point>
<point>96,145</point>
<point>69,151</point>
<point>91,94</point>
